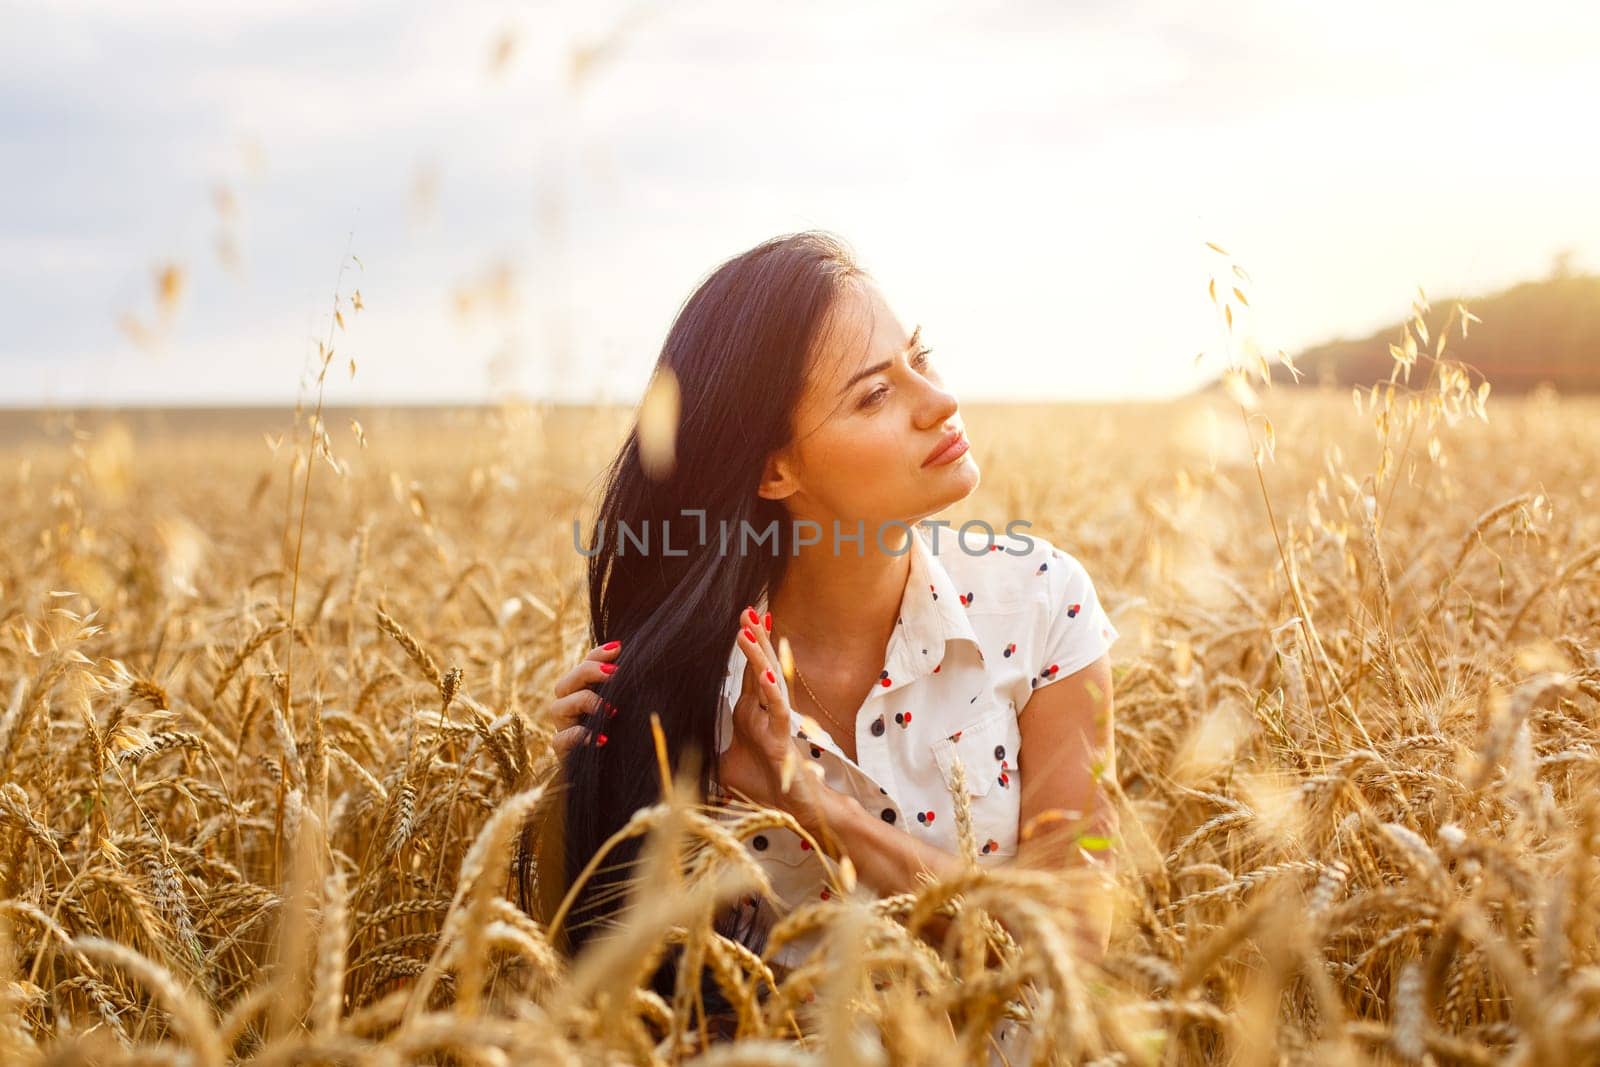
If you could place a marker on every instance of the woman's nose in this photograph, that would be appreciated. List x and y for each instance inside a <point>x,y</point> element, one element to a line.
<point>939,406</point>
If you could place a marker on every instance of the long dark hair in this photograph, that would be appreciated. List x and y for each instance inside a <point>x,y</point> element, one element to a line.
<point>739,348</point>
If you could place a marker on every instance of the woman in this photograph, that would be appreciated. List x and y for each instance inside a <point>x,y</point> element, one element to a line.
<point>815,423</point>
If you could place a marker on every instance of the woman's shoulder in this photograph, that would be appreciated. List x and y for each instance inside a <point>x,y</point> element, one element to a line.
<point>1016,567</point>
<point>1033,609</point>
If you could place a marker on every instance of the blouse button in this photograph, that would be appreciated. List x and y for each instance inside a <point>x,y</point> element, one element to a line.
<point>999,752</point>
<point>888,815</point>
<point>760,842</point>
<point>877,726</point>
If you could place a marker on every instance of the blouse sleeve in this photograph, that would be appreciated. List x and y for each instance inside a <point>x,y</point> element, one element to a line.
<point>1079,631</point>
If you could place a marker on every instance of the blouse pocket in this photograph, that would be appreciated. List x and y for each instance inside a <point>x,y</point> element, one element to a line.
<point>796,872</point>
<point>985,746</point>
<point>778,844</point>
<point>987,749</point>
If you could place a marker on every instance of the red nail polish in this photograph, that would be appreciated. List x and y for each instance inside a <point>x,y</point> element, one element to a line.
<point>755,620</point>
<point>770,676</point>
<point>608,668</point>
<point>609,645</point>
<point>748,636</point>
<point>768,622</point>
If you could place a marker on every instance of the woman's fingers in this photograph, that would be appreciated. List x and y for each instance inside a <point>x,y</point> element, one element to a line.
<point>763,631</point>
<point>575,701</point>
<point>752,664</point>
<point>570,715</point>
<point>595,667</point>
<point>764,636</point>
<point>761,626</point>
<point>566,740</point>
<point>761,677</point>
<point>755,656</point>
<point>775,667</point>
<point>573,708</point>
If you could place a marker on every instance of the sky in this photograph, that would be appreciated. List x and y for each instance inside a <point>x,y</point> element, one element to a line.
<point>1035,183</point>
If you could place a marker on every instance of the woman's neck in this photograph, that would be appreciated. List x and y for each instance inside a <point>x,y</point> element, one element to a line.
<point>841,606</point>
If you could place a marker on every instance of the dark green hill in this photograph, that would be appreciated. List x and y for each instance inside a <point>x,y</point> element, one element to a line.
<point>1540,331</point>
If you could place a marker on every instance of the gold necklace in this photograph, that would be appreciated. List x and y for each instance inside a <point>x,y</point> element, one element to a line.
<point>848,732</point>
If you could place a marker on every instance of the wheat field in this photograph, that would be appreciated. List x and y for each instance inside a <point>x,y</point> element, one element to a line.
<point>1356,699</point>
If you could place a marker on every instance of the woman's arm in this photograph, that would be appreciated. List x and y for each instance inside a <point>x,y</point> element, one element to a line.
<point>886,858</point>
<point>1068,820</point>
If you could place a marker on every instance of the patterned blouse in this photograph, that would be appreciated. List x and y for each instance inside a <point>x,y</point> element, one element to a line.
<point>976,635</point>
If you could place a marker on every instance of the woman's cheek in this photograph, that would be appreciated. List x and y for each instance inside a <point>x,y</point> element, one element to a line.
<point>891,485</point>
<point>865,471</point>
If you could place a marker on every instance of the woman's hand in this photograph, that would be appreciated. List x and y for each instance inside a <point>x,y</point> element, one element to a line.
<point>753,762</point>
<point>574,699</point>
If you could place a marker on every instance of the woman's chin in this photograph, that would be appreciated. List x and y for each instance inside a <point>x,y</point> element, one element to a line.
<point>959,479</point>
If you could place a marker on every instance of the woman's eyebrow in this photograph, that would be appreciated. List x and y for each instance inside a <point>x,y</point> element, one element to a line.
<point>916,335</point>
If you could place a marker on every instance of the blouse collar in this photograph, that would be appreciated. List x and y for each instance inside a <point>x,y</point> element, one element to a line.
<point>933,612</point>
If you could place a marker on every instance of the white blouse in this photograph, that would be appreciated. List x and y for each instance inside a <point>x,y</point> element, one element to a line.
<point>976,635</point>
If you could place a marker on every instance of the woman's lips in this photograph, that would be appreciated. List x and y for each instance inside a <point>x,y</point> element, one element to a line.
<point>949,450</point>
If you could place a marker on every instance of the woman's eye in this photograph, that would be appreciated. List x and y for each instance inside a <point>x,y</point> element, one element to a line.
<point>920,361</point>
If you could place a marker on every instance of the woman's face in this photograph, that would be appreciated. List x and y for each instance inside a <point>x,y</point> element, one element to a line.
<point>873,415</point>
